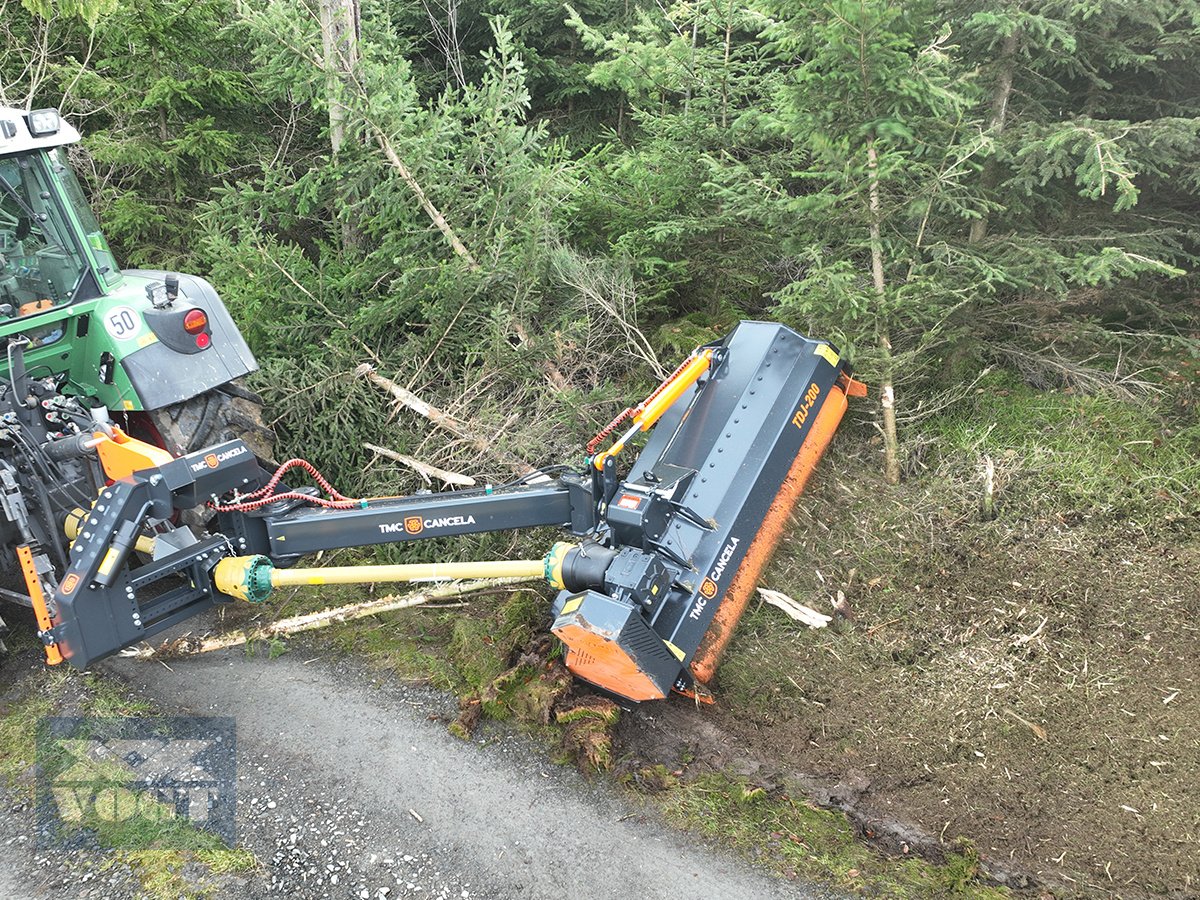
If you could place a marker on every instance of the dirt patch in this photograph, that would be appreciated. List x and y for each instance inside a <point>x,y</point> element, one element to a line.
<point>1029,683</point>
<point>1024,685</point>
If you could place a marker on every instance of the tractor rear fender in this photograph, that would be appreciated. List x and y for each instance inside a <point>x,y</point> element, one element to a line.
<point>161,375</point>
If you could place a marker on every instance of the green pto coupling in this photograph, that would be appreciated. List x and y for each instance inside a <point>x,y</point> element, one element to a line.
<point>553,564</point>
<point>245,577</point>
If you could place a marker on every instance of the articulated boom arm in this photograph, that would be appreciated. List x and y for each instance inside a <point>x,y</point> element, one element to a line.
<point>649,594</point>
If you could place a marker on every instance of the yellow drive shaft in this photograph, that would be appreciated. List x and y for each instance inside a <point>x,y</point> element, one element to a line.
<point>254,577</point>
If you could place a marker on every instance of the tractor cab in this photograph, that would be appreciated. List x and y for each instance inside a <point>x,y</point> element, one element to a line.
<point>130,341</point>
<point>52,252</point>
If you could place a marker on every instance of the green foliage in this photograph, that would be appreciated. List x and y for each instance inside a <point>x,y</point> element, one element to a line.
<point>881,118</point>
<point>611,170</point>
<point>169,107</point>
<point>89,11</point>
<point>1093,455</point>
<point>1097,115</point>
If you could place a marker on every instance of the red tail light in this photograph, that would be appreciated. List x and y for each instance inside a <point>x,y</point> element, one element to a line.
<point>195,321</point>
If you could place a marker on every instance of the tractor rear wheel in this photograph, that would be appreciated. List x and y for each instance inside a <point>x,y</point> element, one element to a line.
<point>223,414</point>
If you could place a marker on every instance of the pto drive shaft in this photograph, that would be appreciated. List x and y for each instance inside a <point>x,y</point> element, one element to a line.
<point>254,577</point>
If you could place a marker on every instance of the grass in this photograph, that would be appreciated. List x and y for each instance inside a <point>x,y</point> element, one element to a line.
<point>154,844</point>
<point>463,648</point>
<point>1087,455</point>
<point>802,841</point>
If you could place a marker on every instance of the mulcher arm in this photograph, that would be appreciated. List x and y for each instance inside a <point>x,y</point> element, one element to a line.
<point>649,593</point>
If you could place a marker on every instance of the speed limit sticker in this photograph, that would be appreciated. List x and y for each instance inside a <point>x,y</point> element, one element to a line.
<point>122,322</point>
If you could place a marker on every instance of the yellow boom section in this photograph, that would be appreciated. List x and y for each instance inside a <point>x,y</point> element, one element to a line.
<point>659,402</point>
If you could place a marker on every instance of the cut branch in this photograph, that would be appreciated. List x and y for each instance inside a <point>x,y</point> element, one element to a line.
<point>806,615</point>
<point>322,619</point>
<point>432,211</point>
<point>444,421</point>
<point>425,470</point>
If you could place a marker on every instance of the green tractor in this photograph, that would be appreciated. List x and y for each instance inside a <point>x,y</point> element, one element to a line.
<point>90,349</point>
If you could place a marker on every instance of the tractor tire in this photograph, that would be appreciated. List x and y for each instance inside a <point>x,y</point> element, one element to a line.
<point>223,414</point>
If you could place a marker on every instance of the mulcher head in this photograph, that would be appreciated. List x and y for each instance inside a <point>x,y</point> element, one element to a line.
<point>646,604</point>
<point>689,532</point>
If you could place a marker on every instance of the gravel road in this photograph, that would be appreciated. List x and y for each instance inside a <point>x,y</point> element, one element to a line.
<point>351,790</point>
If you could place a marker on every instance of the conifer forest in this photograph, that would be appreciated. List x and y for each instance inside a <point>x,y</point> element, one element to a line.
<point>526,213</point>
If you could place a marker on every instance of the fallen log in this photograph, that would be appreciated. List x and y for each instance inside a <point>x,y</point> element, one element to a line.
<point>187,646</point>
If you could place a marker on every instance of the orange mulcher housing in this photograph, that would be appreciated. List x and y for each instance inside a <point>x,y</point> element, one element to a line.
<point>651,605</point>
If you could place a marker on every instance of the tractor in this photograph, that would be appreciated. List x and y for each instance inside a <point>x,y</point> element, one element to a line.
<point>87,346</point>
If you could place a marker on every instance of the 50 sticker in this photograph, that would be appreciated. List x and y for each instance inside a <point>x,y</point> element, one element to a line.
<point>122,323</point>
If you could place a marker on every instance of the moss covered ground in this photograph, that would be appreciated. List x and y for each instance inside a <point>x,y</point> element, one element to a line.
<point>801,840</point>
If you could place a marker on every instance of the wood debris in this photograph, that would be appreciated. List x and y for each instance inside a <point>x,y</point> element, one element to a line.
<point>442,420</point>
<point>842,605</point>
<point>425,470</point>
<point>311,621</point>
<point>798,611</point>
<point>1023,639</point>
<point>1038,730</point>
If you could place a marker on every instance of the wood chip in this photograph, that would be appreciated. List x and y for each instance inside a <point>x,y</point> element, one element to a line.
<point>1026,638</point>
<point>1038,730</point>
<point>798,611</point>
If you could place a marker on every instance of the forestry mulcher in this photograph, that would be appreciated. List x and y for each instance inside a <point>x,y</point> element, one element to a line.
<point>136,494</point>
